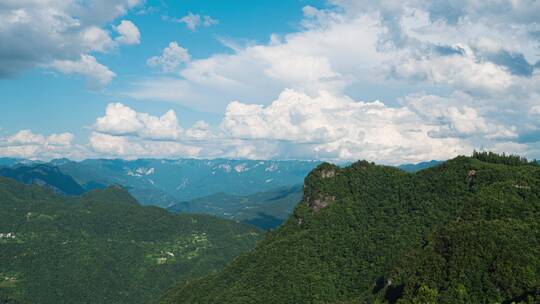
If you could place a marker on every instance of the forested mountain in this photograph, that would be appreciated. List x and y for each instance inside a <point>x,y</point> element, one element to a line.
<point>419,166</point>
<point>103,247</point>
<point>164,183</point>
<point>44,175</point>
<point>266,210</point>
<point>262,193</point>
<point>465,231</point>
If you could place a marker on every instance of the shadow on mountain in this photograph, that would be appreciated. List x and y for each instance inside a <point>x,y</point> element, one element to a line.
<point>264,221</point>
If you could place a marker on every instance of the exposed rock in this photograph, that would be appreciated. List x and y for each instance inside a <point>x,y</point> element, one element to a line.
<point>321,201</point>
<point>328,173</point>
<point>471,177</point>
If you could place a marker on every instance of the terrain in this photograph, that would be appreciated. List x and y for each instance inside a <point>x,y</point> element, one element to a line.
<point>465,231</point>
<point>103,247</point>
<point>262,193</point>
<point>43,175</point>
<point>163,182</point>
<point>266,210</point>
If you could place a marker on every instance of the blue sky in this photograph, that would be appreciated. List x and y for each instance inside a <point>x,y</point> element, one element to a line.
<point>33,98</point>
<point>389,81</point>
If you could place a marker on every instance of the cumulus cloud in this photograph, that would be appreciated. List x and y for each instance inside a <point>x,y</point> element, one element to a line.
<point>464,71</point>
<point>131,148</point>
<point>47,33</point>
<point>193,21</point>
<point>339,128</point>
<point>120,120</point>
<point>26,144</point>
<point>128,33</point>
<point>171,58</point>
<point>97,75</point>
<point>390,81</point>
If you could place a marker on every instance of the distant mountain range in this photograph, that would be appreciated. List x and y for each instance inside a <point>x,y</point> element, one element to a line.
<point>262,193</point>
<point>166,182</point>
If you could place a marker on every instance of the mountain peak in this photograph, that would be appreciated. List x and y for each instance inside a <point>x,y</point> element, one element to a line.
<point>111,194</point>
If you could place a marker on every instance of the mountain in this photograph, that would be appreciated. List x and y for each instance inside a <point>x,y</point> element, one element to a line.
<point>466,231</point>
<point>43,175</point>
<point>266,209</point>
<point>8,161</point>
<point>163,182</point>
<point>411,168</point>
<point>103,247</point>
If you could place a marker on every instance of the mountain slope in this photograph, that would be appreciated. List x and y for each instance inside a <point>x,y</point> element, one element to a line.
<point>368,233</point>
<point>43,175</point>
<point>266,210</point>
<point>103,247</point>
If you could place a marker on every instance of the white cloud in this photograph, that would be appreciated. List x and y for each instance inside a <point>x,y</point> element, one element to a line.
<point>133,147</point>
<point>121,120</point>
<point>455,117</point>
<point>462,70</point>
<point>26,144</point>
<point>128,33</point>
<point>44,33</point>
<point>332,58</point>
<point>338,128</point>
<point>96,39</point>
<point>24,137</point>
<point>96,74</point>
<point>193,21</point>
<point>440,78</point>
<point>171,58</point>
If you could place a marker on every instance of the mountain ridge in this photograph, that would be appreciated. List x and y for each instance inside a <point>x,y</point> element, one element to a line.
<point>366,233</point>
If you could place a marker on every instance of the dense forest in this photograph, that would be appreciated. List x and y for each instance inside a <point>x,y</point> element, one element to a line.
<point>103,247</point>
<point>465,231</point>
<point>266,209</point>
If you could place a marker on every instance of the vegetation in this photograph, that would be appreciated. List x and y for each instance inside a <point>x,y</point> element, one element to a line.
<point>465,231</point>
<point>266,210</point>
<point>103,247</point>
<point>43,175</point>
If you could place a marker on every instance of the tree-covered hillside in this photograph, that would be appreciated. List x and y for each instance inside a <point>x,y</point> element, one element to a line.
<point>466,231</point>
<point>103,247</point>
<point>43,175</point>
<point>266,209</point>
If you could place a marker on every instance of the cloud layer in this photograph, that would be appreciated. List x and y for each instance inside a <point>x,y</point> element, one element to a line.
<point>389,81</point>
<point>62,35</point>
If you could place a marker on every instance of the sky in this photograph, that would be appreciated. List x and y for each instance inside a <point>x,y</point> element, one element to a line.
<point>339,80</point>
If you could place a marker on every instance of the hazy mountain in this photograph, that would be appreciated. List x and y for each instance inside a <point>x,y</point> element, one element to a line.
<point>465,231</point>
<point>419,166</point>
<point>267,209</point>
<point>43,175</point>
<point>103,247</point>
<point>167,182</point>
<point>7,161</point>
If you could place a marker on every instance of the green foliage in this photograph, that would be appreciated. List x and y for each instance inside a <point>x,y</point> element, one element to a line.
<point>266,210</point>
<point>511,160</point>
<point>45,175</point>
<point>465,231</point>
<point>103,247</point>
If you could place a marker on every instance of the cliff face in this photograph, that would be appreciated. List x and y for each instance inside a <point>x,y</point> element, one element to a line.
<point>368,233</point>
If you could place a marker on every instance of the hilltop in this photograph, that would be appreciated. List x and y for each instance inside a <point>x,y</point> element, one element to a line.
<point>465,231</point>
